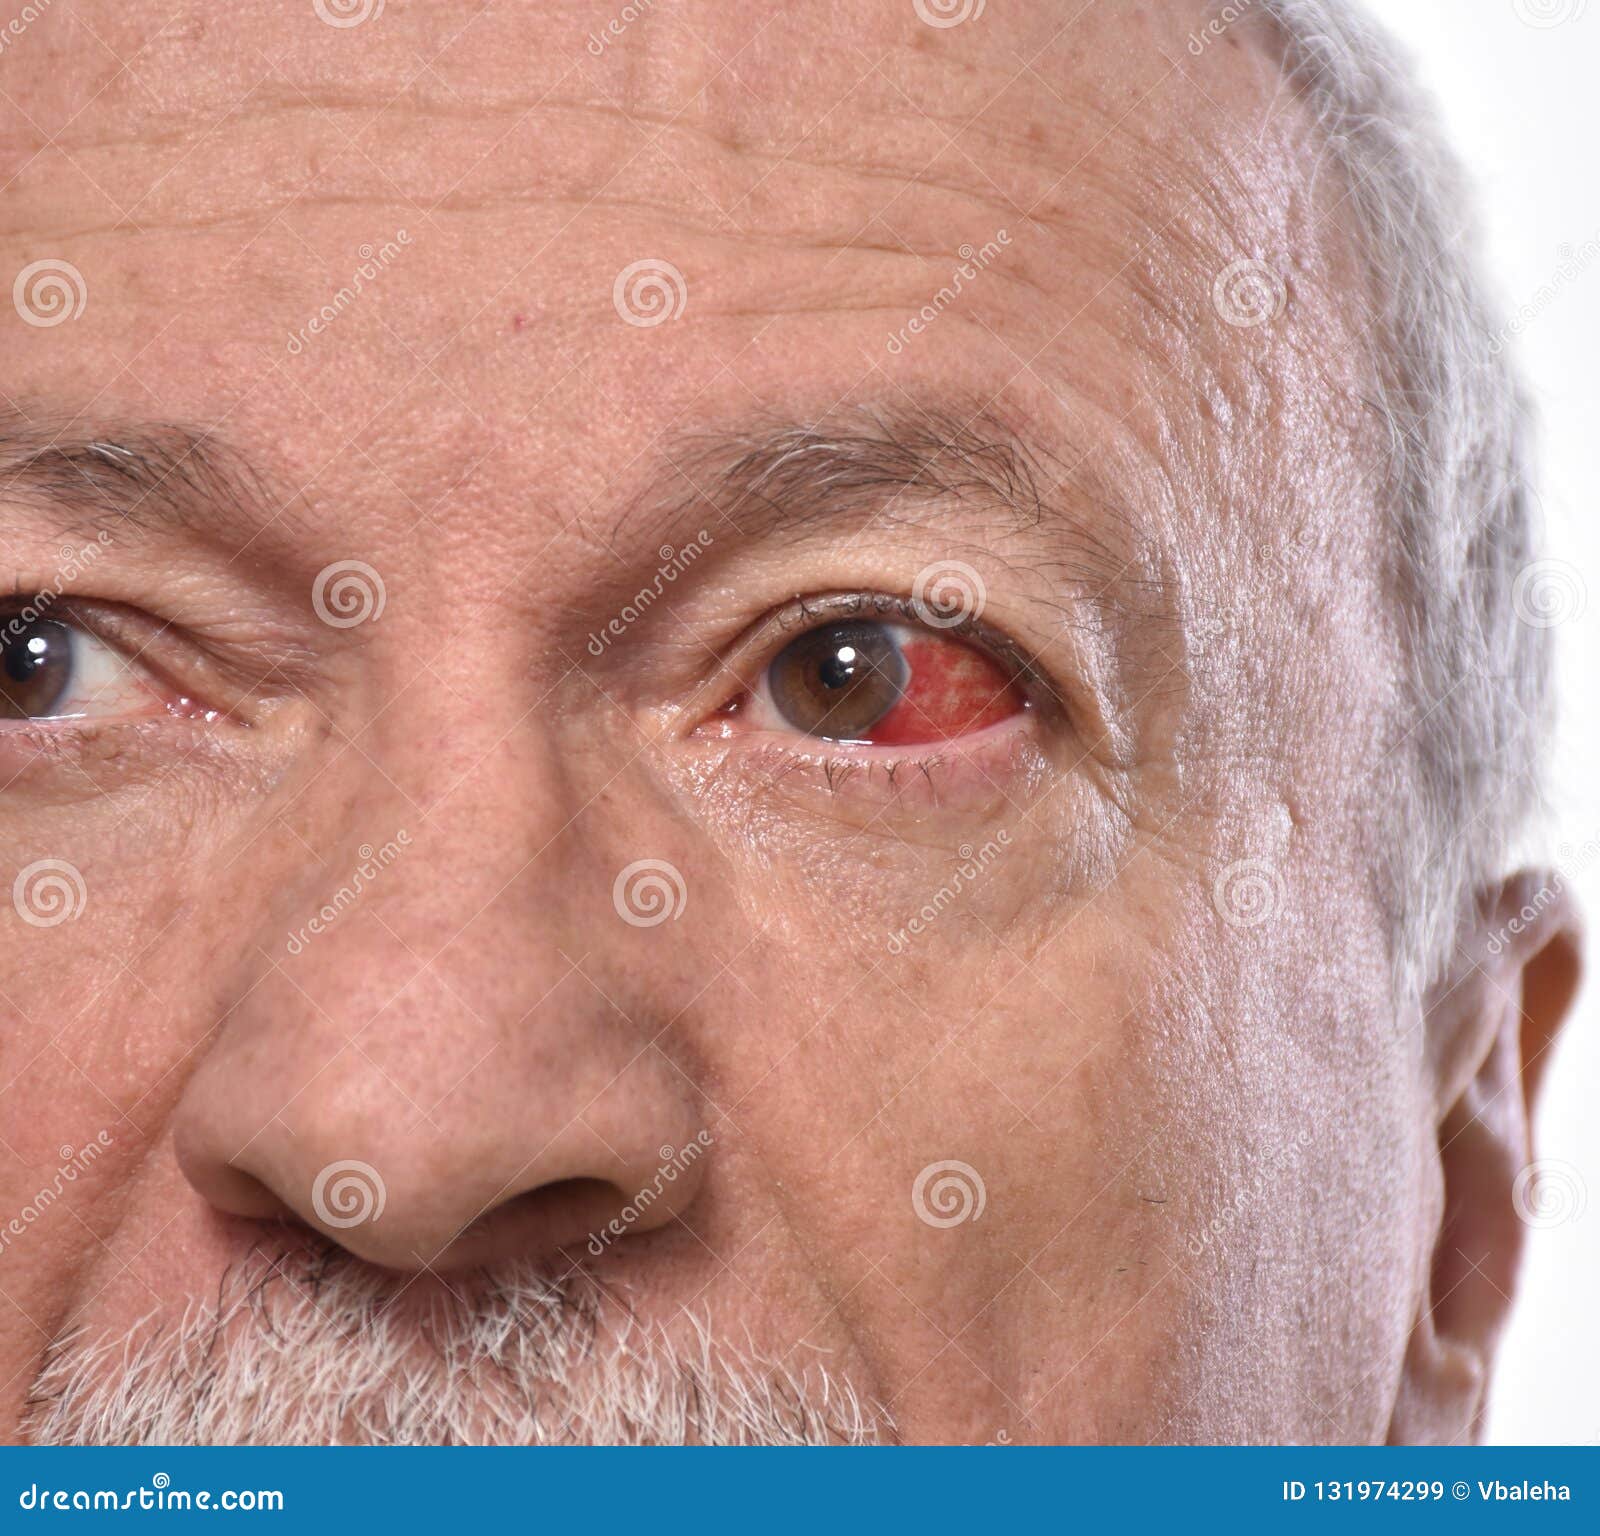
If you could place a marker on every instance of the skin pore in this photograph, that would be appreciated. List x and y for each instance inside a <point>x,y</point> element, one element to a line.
<point>1156,1027</point>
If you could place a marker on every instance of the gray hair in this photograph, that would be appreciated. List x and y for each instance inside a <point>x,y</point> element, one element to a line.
<point>1463,776</point>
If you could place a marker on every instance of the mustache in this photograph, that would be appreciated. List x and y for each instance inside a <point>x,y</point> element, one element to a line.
<point>310,1346</point>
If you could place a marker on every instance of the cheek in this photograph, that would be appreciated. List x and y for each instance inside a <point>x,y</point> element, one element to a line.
<point>953,691</point>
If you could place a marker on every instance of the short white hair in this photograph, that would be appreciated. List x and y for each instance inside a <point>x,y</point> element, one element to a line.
<point>1464,774</point>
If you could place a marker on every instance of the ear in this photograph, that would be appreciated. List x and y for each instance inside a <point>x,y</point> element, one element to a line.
<point>1490,1022</point>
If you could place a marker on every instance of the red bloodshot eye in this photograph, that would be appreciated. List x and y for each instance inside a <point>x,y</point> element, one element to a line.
<point>888,685</point>
<point>953,690</point>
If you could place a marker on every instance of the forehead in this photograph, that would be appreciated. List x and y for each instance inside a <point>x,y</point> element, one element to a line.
<point>431,237</point>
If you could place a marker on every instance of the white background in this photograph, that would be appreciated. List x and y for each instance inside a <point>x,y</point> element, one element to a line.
<point>1518,102</point>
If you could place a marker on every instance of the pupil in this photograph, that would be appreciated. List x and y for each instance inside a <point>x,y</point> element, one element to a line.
<point>838,669</point>
<point>35,667</point>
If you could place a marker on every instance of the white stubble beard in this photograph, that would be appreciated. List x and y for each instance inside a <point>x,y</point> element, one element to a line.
<point>309,1348</point>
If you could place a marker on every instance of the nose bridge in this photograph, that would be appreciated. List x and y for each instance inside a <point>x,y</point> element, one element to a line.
<point>473,827</point>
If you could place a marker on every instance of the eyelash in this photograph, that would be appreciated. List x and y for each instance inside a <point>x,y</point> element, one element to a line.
<point>941,776</point>
<point>837,771</point>
<point>797,618</point>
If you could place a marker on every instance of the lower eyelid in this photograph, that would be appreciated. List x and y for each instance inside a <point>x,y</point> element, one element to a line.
<point>978,774</point>
<point>65,762</point>
<point>34,752</point>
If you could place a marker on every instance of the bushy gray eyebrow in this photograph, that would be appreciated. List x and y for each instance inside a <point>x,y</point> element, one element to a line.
<point>144,474</point>
<point>778,478</point>
<point>813,469</point>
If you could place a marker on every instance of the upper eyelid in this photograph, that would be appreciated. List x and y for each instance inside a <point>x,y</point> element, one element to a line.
<point>100,622</point>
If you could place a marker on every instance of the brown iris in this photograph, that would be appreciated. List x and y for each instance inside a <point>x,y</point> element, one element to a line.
<point>839,681</point>
<point>35,667</point>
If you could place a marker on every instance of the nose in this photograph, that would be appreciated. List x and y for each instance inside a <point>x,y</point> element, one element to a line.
<point>488,1103</point>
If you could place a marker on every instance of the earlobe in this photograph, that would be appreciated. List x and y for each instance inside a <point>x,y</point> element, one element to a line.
<point>1491,1021</point>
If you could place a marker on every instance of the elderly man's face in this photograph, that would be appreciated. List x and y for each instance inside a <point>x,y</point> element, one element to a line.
<point>733,697</point>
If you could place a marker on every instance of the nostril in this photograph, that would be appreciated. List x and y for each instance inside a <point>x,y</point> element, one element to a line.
<point>259,1198</point>
<point>235,1191</point>
<point>553,1215</point>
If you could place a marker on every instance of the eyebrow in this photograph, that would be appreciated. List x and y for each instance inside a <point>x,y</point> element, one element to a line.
<point>143,475</point>
<point>773,477</point>
<point>856,466</point>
